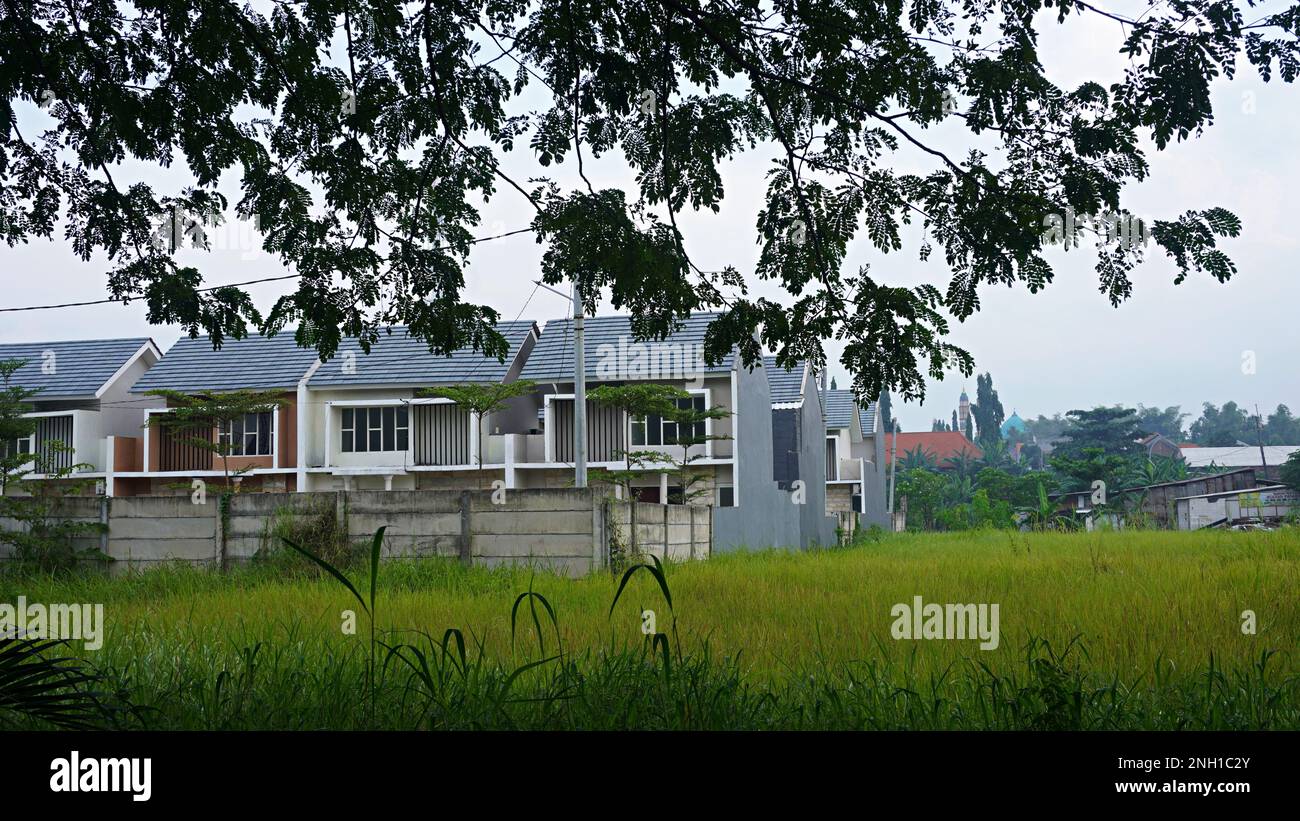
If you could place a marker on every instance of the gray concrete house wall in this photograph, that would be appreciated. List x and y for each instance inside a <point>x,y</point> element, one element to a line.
<point>765,515</point>
<point>816,528</point>
<point>875,489</point>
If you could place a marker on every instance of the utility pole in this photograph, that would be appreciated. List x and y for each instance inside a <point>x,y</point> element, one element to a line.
<point>579,393</point>
<point>579,385</point>
<point>893,468</point>
<point>1259,440</point>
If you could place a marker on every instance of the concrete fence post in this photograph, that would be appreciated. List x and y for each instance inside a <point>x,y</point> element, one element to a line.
<point>466,543</point>
<point>694,538</point>
<point>665,531</point>
<point>599,532</point>
<point>341,511</point>
<point>104,514</point>
<point>219,531</point>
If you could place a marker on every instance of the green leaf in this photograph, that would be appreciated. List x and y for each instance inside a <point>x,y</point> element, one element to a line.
<point>333,571</point>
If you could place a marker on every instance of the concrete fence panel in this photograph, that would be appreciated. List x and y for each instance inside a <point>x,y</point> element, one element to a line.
<point>563,529</point>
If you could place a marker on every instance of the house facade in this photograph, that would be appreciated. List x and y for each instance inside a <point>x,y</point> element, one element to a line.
<point>83,401</point>
<point>365,424</point>
<point>855,459</point>
<point>362,421</point>
<point>612,356</point>
<point>799,448</point>
<point>263,447</point>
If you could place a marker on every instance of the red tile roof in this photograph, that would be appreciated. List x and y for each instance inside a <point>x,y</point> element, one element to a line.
<point>943,444</point>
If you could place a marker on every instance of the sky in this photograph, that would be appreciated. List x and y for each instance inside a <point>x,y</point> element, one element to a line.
<point>1062,348</point>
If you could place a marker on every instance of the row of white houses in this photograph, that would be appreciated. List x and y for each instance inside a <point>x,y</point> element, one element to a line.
<point>357,421</point>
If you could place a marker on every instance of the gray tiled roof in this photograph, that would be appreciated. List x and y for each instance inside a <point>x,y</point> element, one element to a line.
<point>552,356</point>
<point>255,362</point>
<point>785,385</point>
<point>401,359</point>
<point>868,416</point>
<point>839,408</point>
<point>79,368</point>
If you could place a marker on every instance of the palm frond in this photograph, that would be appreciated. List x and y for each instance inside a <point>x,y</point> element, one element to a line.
<point>38,684</point>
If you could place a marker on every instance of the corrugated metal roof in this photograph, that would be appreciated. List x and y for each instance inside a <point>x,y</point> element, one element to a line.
<point>255,362</point>
<point>1240,456</point>
<point>76,369</point>
<point>401,359</point>
<point>840,406</point>
<point>786,386</point>
<point>611,353</point>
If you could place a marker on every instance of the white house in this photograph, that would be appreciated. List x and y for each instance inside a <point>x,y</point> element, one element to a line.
<point>83,401</point>
<point>613,356</point>
<point>855,458</point>
<point>364,424</point>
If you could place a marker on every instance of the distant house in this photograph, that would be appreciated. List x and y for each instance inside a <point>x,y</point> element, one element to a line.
<point>353,422</point>
<point>612,356</point>
<point>735,464</point>
<point>801,461</point>
<point>1158,445</point>
<point>790,387</point>
<point>1266,464</point>
<point>855,463</point>
<point>262,445</point>
<point>1268,504</point>
<point>1160,501</point>
<point>84,400</point>
<point>366,427</point>
<point>942,445</point>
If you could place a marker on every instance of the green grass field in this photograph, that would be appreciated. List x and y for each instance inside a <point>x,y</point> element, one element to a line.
<point>1105,630</point>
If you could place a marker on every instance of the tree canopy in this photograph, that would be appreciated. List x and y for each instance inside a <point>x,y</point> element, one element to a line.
<point>987,410</point>
<point>1114,431</point>
<point>365,136</point>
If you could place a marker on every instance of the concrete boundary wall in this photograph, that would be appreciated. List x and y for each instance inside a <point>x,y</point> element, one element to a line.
<point>672,532</point>
<point>566,530</point>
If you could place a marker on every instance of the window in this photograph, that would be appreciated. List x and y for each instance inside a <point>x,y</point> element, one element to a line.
<point>372,430</point>
<point>832,460</point>
<point>655,430</point>
<point>726,496</point>
<point>25,444</point>
<point>248,436</point>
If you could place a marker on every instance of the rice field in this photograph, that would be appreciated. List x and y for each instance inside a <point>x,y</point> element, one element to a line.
<point>1104,630</point>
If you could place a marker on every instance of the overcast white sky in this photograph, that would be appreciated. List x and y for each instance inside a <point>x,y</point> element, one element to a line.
<point>1060,349</point>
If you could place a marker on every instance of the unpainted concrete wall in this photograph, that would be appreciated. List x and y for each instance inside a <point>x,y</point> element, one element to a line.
<point>563,529</point>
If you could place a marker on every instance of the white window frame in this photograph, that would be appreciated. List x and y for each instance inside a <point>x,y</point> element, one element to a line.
<point>717,495</point>
<point>257,435</point>
<point>835,442</point>
<point>707,393</point>
<point>332,447</point>
<point>398,427</point>
<point>29,448</point>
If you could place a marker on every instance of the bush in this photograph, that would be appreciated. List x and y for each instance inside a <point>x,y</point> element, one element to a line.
<point>318,529</point>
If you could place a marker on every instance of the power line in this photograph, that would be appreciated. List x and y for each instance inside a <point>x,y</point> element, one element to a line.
<point>474,241</point>
<point>120,299</point>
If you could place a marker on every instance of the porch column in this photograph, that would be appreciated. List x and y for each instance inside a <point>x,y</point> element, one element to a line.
<point>509,442</point>
<point>300,457</point>
<point>110,468</point>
